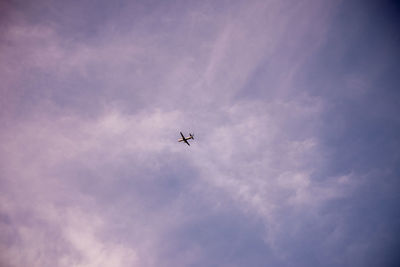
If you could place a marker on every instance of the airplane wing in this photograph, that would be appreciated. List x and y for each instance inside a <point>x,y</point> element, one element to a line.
<point>183,136</point>
<point>186,142</point>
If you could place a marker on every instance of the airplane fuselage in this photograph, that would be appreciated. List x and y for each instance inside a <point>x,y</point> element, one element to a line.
<point>186,138</point>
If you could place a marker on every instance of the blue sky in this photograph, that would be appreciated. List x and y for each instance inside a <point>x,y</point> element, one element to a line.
<point>294,106</point>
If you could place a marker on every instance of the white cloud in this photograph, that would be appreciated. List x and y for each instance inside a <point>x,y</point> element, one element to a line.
<point>81,232</point>
<point>81,177</point>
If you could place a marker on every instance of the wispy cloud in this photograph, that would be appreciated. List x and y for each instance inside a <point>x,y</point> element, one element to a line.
<point>278,173</point>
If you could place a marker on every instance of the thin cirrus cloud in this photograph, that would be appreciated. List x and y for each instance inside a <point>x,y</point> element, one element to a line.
<point>287,168</point>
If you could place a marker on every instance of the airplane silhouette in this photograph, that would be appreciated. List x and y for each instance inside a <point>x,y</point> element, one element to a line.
<point>185,139</point>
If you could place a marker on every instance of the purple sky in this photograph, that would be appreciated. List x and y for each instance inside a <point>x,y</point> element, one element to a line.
<point>295,108</point>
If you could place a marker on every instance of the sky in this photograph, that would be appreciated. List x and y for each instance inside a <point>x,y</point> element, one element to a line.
<point>294,106</point>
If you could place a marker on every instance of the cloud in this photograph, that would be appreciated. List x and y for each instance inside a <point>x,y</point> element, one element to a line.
<point>92,173</point>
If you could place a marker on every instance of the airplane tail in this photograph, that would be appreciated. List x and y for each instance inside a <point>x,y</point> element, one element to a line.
<point>191,135</point>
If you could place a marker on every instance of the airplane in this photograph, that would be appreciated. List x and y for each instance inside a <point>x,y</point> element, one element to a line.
<point>185,139</point>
